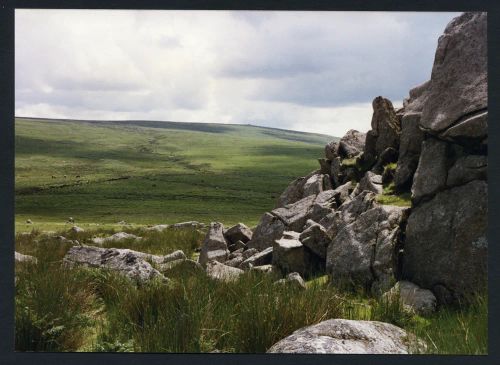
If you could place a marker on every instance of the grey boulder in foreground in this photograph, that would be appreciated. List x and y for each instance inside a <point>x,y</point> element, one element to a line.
<point>343,336</point>
<point>129,263</point>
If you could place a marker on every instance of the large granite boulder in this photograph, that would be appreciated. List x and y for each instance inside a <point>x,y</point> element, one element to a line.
<point>343,336</point>
<point>131,264</point>
<point>446,246</point>
<point>351,144</point>
<point>295,215</point>
<point>365,251</point>
<point>264,257</point>
<point>458,91</point>
<point>331,150</point>
<point>214,246</point>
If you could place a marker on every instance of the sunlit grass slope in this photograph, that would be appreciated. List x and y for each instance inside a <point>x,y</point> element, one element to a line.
<point>153,172</point>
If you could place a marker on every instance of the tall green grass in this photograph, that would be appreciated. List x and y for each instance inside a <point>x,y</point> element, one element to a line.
<point>62,309</point>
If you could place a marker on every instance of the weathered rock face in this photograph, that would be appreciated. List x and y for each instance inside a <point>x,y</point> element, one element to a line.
<point>316,239</point>
<point>295,191</point>
<point>446,247</point>
<point>214,246</point>
<point>258,259</point>
<point>342,336</point>
<point>130,263</point>
<point>409,151</point>
<point>289,255</point>
<point>239,232</point>
<point>412,297</point>
<point>180,265</point>
<point>385,132</point>
<point>364,251</point>
<point>370,182</point>
<point>430,176</point>
<point>269,229</point>
<point>352,144</point>
<point>446,242</point>
<point>459,80</point>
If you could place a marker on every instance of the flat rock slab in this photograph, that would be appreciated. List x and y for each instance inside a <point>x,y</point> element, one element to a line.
<point>342,336</point>
<point>127,262</point>
<point>117,237</point>
<point>222,272</point>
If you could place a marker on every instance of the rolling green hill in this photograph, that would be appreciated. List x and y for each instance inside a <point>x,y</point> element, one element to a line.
<point>147,172</point>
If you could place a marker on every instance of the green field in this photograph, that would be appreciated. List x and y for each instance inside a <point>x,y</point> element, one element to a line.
<point>153,172</point>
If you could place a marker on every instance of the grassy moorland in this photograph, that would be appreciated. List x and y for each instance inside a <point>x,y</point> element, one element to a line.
<point>153,172</point>
<point>101,173</point>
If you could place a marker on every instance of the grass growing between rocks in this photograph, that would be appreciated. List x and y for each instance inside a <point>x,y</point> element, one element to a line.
<point>63,309</point>
<point>390,197</point>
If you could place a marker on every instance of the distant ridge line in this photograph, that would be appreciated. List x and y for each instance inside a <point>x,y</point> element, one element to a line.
<point>131,121</point>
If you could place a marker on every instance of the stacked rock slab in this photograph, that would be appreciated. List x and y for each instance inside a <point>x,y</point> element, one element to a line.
<point>446,245</point>
<point>214,246</point>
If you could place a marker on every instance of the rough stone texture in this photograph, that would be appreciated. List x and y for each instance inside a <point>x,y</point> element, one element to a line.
<point>331,150</point>
<point>459,79</point>
<point>316,239</point>
<point>412,297</point>
<point>386,127</point>
<point>468,168</point>
<point>235,261</point>
<point>370,182</point>
<point>342,336</point>
<point>222,272</point>
<point>352,144</point>
<point>295,215</point>
<point>19,257</point>
<point>474,127</point>
<point>117,237</point>
<point>130,263</point>
<point>239,232</point>
<point>417,99</point>
<point>260,258</point>
<point>293,279</point>
<point>214,246</point>
<point>269,229</point>
<point>343,192</point>
<point>316,184</point>
<point>446,242</point>
<point>289,255</point>
<point>294,192</point>
<point>249,252</point>
<point>409,151</point>
<point>364,251</point>
<point>430,176</point>
<point>324,204</point>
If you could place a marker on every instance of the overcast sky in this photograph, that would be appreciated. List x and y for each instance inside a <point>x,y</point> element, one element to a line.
<point>307,71</point>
